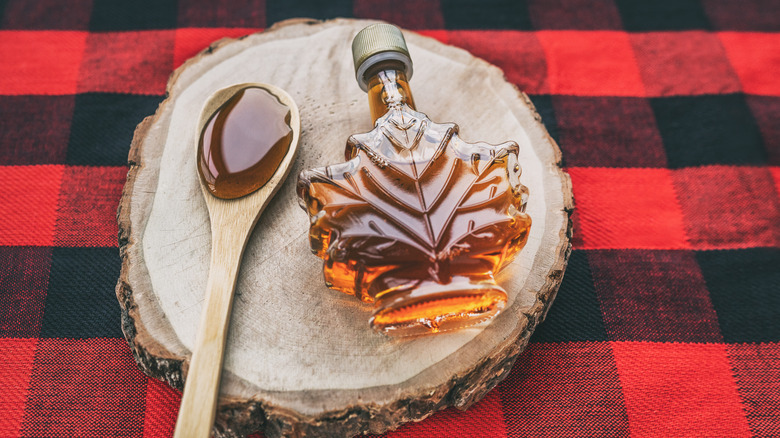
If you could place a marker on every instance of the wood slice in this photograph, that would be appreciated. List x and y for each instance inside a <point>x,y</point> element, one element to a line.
<point>301,359</point>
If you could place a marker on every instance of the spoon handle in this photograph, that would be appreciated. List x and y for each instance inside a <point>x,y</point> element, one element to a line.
<point>201,390</point>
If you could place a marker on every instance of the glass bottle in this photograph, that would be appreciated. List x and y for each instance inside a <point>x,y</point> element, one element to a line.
<point>416,221</point>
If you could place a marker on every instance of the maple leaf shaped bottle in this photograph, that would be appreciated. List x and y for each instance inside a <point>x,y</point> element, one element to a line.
<point>416,220</point>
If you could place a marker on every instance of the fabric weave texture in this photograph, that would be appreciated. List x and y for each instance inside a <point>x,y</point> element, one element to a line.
<point>668,115</point>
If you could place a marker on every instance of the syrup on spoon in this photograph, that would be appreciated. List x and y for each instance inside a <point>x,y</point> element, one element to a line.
<point>249,138</point>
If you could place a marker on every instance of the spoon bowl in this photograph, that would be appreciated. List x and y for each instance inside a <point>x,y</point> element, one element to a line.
<point>232,222</point>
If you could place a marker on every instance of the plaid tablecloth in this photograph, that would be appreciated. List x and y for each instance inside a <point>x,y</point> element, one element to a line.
<point>668,114</point>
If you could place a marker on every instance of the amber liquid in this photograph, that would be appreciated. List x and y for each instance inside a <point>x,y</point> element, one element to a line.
<point>378,91</point>
<point>442,279</point>
<point>415,228</point>
<point>243,143</point>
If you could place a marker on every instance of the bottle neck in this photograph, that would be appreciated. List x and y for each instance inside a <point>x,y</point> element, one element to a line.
<point>388,88</point>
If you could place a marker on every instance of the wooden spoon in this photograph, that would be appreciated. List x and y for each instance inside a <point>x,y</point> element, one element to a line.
<point>232,221</point>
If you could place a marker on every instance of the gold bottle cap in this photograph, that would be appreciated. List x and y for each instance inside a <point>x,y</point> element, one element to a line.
<point>376,43</point>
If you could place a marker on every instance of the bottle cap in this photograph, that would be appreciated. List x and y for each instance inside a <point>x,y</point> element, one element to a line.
<point>376,43</point>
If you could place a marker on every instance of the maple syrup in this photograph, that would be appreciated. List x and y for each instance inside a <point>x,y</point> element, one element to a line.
<point>243,143</point>
<point>416,221</point>
<point>388,81</point>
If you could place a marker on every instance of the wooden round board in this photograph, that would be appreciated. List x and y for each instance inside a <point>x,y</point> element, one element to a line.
<point>301,359</point>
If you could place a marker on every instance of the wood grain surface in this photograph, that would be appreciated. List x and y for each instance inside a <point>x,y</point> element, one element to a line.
<point>301,359</point>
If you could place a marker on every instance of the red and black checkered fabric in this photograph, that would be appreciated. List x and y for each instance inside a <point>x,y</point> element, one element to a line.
<point>667,111</point>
